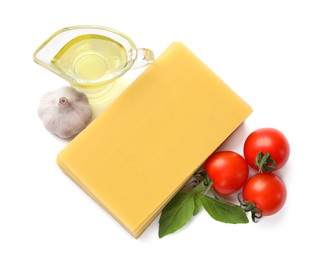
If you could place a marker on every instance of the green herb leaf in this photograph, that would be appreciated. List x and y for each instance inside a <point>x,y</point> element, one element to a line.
<point>176,213</point>
<point>197,205</point>
<point>224,211</point>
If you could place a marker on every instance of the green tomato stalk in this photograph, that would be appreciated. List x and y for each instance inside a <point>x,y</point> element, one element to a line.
<point>264,162</point>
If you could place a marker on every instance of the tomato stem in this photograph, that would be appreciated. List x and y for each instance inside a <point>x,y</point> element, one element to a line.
<point>201,183</point>
<point>248,206</point>
<point>210,186</point>
<point>264,162</point>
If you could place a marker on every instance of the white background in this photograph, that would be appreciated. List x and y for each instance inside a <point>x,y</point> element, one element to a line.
<point>267,51</point>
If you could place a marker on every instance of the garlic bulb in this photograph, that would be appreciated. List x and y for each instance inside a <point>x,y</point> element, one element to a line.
<point>65,112</point>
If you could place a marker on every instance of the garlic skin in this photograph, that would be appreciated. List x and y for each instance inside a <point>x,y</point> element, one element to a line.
<point>65,112</point>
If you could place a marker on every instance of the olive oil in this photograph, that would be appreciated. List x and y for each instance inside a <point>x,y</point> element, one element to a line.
<point>91,58</point>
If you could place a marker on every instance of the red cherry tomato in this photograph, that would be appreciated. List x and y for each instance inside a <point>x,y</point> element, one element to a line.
<point>267,191</point>
<point>228,171</point>
<point>267,140</point>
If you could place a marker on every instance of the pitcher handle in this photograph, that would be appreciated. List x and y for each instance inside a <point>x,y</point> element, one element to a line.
<point>144,57</point>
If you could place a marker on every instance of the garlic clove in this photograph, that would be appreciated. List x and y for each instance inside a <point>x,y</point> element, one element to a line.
<point>65,112</point>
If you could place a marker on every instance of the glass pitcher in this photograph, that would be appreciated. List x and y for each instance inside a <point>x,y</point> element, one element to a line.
<point>91,57</point>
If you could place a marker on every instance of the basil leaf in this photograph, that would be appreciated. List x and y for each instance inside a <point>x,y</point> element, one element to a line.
<point>197,205</point>
<point>224,211</point>
<point>176,213</point>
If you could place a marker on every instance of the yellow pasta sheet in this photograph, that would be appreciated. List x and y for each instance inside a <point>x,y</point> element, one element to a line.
<point>140,151</point>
